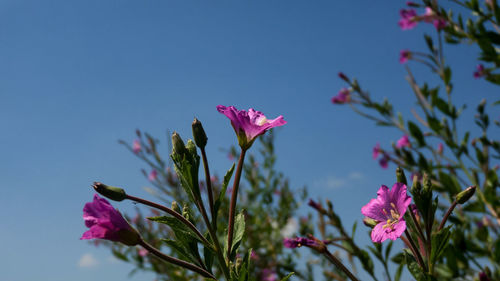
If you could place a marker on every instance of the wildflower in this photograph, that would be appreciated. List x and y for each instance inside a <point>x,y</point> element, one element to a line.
<point>430,16</point>
<point>342,96</point>
<point>404,56</point>
<point>298,242</point>
<point>136,146</point>
<point>315,205</point>
<point>105,222</point>
<point>142,252</point>
<point>384,161</point>
<point>269,275</point>
<point>343,76</point>
<point>408,19</point>
<point>440,149</point>
<point>388,210</point>
<point>250,124</point>
<point>153,175</point>
<point>479,71</point>
<point>376,151</point>
<point>403,141</point>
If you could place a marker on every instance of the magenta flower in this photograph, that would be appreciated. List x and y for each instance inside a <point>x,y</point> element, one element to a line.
<point>403,141</point>
<point>408,19</point>
<point>376,151</point>
<point>479,71</point>
<point>388,210</point>
<point>269,275</point>
<point>250,124</point>
<point>404,56</point>
<point>298,242</point>
<point>153,175</point>
<point>384,161</point>
<point>440,148</point>
<point>343,76</point>
<point>105,222</point>
<point>315,205</point>
<point>342,96</point>
<point>430,16</point>
<point>136,146</point>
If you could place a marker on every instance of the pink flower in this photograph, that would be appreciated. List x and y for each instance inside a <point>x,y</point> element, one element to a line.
<point>440,148</point>
<point>153,175</point>
<point>142,252</point>
<point>342,96</point>
<point>249,125</point>
<point>430,16</point>
<point>408,19</point>
<point>403,141</point>
<point>136,146</point>
<point>384,161</point>
<point>479,71</point>
<point>376,151</point>
<point>343,76</point>
<point>298,242</point>
<point>105,222</point>
<point>388,210</point>
<point>268,275</point>
<point>404,56</point>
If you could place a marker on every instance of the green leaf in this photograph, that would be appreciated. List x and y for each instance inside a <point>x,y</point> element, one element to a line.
<point>181,230</point>
<point>239,230</point>
<point>447,75</point>
<point>119,255</point>
<point>181,250</point>
<point>416,133</point>
<point>439,243</point>
<point>414,268</point>
<point>222,193</point>
<point>399,271</point>
<point>288,276</point>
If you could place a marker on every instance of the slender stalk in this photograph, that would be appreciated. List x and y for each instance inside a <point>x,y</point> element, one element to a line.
<point>209,184</point>
<point>234,197</point>
<point>448,213</point>
<point>339,264</point>
<point>414,249</point>
<point>171,212</point>
<point>176,261</point>
<point>417,224</point>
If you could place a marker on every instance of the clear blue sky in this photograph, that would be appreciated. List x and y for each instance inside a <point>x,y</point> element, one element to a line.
<point>76,76</point>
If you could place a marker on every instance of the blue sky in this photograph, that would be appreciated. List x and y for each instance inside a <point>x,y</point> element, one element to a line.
<point>76,76</point>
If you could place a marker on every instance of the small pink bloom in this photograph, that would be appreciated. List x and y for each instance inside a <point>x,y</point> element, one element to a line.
<point>105,222</point>
<point>384,161</point>
<point>254,256</point>
<point>142,252</point>
<point>269,275</point>
<point>404,56</point>
<point>314,205</point>
<point>298,242</point>
<point>342,96</point>
<point>343,76</point>
<point>136,146</point>
<point>440,148</point>
<point>388,210</point>
<point>250,124</point>
<point>408,19</point>
<point>430,16</point>
<point>403,141</point>
<point>479,71</point>
<point>376,151</point>
<point>153,175</point>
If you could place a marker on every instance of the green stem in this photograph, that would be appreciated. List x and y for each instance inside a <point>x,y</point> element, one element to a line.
<point>339,264</point>
<point>234,198</point>
<point>448,213</point>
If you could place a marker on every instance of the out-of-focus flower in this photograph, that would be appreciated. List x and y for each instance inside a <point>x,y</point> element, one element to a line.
<point>483,277</point>
<point>298,242</point>
<point>479,71</point>
<point>384,161</point>
<point>254,256</point>
<point>388,209</point>
<point>153,175</point>
<point>408,19</point>
<point>343,96</point>
<point>269,275</point>
<point>250,124</point>
<point>430,16</point>
<point>376,151</point>
<point>404,56</point>
<point>136,146</point>
<point>314,205</point>
<point>343,76</point>
<point>105,222</point>
<point>403,141</point>
<point>440,148</point>
<point>142,252</point>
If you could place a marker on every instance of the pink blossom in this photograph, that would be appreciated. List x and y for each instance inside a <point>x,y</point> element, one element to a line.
<point>142,252</point>
<point>343,76</point>
<point>153,175</point>
<point>136,146</point>
<point>376,151</point>
<point>408,19</point>
<point>269,275</point>
<point>250,124</point>
<point>342,96</point>
<point>479,71</point>
<point>403,141</point>
<point>254,256</point>
<point>298,242</point>
<point>388,210</point>
<point>430,16</point>
<point>440,148</point>
<point>384,161</point>
<point>105,222</point>
<point>404,56</point>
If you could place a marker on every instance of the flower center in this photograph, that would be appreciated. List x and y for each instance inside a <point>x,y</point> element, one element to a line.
<point>392,218</point>
<point>261,121</point>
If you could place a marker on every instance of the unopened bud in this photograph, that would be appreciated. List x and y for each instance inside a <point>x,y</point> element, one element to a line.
<point>416,186</point>
<point>200,138</point>
<point>191,147</point>
<point>465,195</point>
<point>110,192</point>
<point>427,183</point>
<point>371,223</point>
<point>176,207</point>
<point>178,145</point>
<point>400,176</point>
<point>343,76</point>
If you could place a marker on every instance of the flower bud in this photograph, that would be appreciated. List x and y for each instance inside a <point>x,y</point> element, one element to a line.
<point>178,145</point>
<point>371,223</point>
<point>191,147</point>
<point>427,184</point>
<point>200,138</point>
<point>400,176</point>
<point>110,192</point>
<point>343,76</point>
<point>416,187</point>
<point>176,207</point>
<point>465,195</point>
